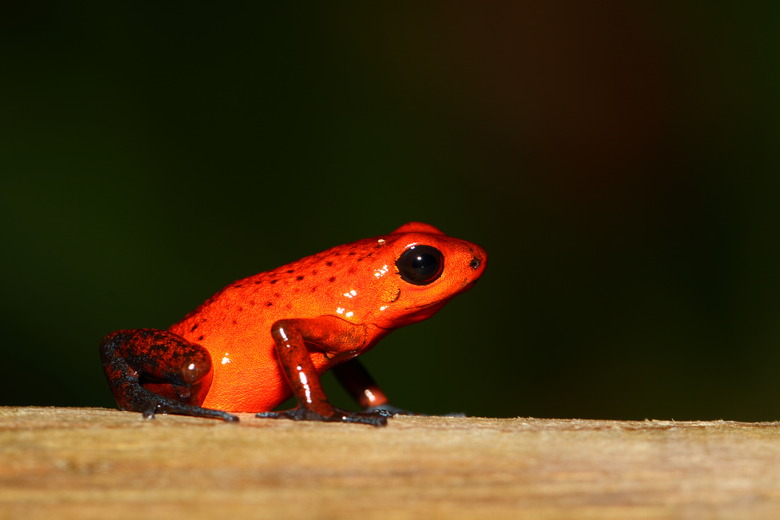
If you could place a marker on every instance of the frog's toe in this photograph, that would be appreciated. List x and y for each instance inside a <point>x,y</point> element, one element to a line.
<point>372,418</point>
<point>388,410</point>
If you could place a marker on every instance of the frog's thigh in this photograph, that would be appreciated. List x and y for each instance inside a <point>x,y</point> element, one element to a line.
<point>152,370</point>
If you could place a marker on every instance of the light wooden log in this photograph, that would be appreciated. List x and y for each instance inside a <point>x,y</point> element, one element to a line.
<point>85,463</point>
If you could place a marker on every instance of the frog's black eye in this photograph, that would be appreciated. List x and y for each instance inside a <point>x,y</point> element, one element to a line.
<point>420,265</point>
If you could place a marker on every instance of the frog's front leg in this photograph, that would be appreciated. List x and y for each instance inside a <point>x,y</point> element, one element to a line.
<point>152,370</point>
<point>356,380</point>
<point>362,387</point>
<point>333,335</point>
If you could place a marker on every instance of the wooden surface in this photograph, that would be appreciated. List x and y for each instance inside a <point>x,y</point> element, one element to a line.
<point>97,463</point>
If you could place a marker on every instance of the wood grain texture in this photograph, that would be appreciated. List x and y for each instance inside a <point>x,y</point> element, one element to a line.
<point>97,463</point>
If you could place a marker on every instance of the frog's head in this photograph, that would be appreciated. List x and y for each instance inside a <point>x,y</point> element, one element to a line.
<point>428,269</point>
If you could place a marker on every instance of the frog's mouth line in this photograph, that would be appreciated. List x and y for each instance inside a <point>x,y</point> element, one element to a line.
<point>469,285</point>
<point>427,306</point>
<point>465,287</point>
<point>424,306</point>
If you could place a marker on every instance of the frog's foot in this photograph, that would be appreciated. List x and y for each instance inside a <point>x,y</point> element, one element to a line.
<point>163,405</point>
<point>304,414</point>
<point>389,410</point>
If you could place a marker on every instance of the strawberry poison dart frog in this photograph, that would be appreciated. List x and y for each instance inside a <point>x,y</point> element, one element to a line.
<point>269,336</point>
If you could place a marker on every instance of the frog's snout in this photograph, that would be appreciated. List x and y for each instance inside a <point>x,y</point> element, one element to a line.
<point>477,264</point>
<point>478,259</point>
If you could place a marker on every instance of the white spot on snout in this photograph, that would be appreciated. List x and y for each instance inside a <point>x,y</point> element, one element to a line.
<point>226,359</point>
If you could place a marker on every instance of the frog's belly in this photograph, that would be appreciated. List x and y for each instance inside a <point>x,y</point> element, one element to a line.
<point>245,383</point>
<point>246,375</point>
<point>250,380</point>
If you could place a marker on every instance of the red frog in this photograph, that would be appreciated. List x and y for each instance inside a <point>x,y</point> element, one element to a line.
<point>271,335</point>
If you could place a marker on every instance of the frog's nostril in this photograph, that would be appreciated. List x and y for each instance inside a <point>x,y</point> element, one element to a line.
<point>475,263</point>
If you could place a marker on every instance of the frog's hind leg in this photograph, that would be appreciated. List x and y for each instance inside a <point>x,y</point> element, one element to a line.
<point>152,370</point>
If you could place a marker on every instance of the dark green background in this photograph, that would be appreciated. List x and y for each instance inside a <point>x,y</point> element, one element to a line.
<point>618,161</point>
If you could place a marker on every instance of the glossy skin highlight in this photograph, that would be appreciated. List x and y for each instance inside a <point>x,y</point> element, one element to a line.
<point>269,336</point>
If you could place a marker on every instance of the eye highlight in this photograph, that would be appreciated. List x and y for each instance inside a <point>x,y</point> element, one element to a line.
<point>420,265</point>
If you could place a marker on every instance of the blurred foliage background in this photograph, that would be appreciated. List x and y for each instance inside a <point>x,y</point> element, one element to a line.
<point>618,161</point>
